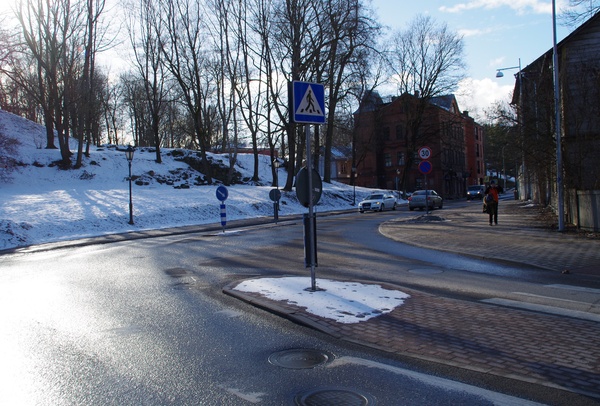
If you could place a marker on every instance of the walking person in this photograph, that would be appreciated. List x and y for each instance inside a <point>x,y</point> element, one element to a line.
<point>491,202</point>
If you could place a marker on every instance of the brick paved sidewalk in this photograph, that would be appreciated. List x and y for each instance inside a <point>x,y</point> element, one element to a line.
<point>544,349</point>
<point>552,351</point>
<point>521,236</point>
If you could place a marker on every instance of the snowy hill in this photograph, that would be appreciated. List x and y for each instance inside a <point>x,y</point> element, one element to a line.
<point>41,203</point>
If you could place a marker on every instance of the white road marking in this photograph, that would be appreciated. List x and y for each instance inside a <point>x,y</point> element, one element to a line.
<point>577,288</point>
<point>544,309</point>
<point>495,398</point>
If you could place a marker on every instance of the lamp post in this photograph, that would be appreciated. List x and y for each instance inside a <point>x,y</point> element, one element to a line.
<point>519,76</point>
<point>276,204</point>
<point>129,155</point>
<point>557,124</point>
<point>276,166</point>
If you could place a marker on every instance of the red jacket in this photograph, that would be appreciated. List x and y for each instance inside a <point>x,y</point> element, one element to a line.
<point>492,191</point>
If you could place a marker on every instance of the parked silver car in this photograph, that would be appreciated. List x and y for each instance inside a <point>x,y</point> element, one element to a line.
<point>378,202</point>
<point>417,200</point>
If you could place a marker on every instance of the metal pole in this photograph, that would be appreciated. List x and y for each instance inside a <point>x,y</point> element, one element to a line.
<point>557,125</point>
<point>130,198</point>
<point>311,227</point>
<point>354,186</point>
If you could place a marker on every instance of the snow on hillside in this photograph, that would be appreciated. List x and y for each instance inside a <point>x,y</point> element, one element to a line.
<point>41,203</point>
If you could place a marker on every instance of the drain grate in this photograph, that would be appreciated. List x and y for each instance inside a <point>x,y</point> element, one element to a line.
<point>300,358</point>
<point>334,396</point>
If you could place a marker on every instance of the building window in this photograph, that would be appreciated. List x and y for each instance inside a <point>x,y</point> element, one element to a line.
<point>386,133</point>
<point>400,132</point>
<point>388,160</point>
<point>343,168</point>
<point>400,158</point>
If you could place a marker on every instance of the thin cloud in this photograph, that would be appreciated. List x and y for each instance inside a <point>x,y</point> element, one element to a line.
<point>467,32</point>
<point>521,6</point>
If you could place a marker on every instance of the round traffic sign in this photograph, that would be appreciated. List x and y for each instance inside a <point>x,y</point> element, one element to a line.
<point>424,152</point>
<point>302,190</point>
<point>222,193</point>
<point>275,195</point>
<point>425,167</point>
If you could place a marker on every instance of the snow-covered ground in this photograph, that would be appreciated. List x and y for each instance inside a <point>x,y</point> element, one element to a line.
<point>41,203</point>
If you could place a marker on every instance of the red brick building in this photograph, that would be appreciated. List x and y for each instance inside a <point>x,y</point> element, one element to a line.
<point>390,134</point>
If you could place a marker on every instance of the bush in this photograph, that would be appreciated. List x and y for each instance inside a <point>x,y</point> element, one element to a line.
<point>8,156</point>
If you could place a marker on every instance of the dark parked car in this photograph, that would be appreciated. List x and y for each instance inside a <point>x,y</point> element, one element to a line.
<point>417,200</point>
<point>475,192</point>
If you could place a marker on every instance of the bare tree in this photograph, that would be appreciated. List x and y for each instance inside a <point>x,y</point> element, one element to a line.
<point>579,11</point>
<point>144,27</point>
<point>350,37</point>
<point>224,29</point>
<point>88,92</point>
<point>291,53</point>
<point>185,56</point>
<point>45,30</point>
<point>426,60</point>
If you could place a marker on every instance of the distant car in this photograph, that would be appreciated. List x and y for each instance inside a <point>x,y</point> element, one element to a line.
<point>378,202</point>
<point>475,192</point>
<point>417,200</point>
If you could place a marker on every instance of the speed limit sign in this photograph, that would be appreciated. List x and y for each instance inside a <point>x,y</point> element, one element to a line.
<point>424,153</point>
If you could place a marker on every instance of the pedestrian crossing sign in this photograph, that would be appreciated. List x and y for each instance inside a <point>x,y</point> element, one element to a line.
<point>309,103</point>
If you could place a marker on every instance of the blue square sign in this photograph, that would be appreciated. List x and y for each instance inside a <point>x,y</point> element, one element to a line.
<point>309,103</point>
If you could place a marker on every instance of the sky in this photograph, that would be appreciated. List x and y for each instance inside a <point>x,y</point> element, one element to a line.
<point>497,33</point>
<point>41,204</point>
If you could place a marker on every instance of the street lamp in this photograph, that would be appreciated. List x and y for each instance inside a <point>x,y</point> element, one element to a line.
<point>129,155</point>
<point>276,166</point>
<point>519,76</point>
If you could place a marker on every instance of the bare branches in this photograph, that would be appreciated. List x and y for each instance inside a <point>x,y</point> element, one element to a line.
<point>427,58</point>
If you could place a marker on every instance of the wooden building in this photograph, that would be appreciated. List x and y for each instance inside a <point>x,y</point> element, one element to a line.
<point>579,112</point>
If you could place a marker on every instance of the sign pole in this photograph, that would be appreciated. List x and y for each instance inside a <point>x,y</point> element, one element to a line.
<point>426,196</point>
<point>308,107</point>
<point>222,194</point>
<point>311,227</point>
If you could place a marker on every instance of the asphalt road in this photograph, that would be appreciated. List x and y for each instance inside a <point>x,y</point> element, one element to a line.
<point>145,322</point>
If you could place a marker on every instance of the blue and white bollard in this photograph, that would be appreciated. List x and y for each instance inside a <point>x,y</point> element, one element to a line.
<point>223,216</point>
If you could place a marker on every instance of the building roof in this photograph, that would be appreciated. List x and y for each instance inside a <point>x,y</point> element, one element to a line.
<point>445,102</point>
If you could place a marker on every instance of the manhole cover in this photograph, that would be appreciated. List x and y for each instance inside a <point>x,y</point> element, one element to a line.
<point>425,271</point>
<point>299,358</point>
<point>334,396</point>
<point>183,286</point>
<point>176,272</point>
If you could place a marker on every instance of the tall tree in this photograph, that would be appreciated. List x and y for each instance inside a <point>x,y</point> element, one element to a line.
<point>427,60</point>
<point>144,27</point>
<point>182,40</point>
<point>88,92</point>
<point>577,12</point>
<point>350,37</point>
<point>47,28</point>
